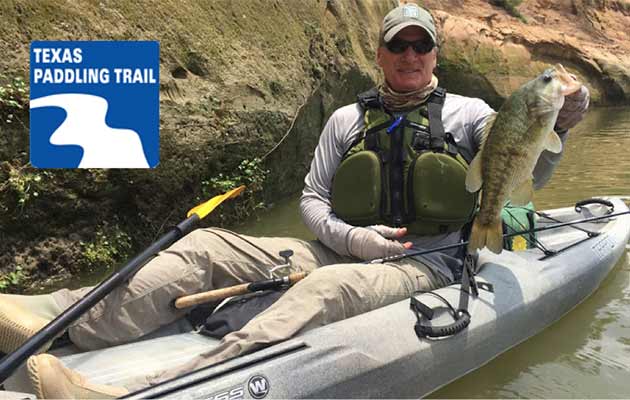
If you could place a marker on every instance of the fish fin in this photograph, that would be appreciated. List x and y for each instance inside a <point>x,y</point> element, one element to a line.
<point>523,194</point>
<point>553,142</point>
<point>490,236</point>
<point>474,179</point>
<point>485,132</point>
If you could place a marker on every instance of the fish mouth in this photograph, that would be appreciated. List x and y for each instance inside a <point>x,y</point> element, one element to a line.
<point>569,82</point>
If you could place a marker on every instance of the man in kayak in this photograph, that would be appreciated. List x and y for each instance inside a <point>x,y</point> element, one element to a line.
<point>359,185</point>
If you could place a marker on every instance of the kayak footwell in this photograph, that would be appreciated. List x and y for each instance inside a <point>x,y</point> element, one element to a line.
<point>123,365</point>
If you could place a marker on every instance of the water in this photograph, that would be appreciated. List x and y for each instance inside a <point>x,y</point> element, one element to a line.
<point>584,355</point>
<point>587,353</point>
<point>596,160</point>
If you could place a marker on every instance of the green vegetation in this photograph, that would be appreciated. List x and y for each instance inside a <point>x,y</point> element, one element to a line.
<point>110,246</point>
<point>250,173</point>
<point>25,185</point>
<point>13,96</point>
<point>22,185</point>
<point>12,279</point>
<point>510,7</point>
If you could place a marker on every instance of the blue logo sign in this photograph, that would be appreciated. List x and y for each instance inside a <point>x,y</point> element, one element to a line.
<point>95,104</point>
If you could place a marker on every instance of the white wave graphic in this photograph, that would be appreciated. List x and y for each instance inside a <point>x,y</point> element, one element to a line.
<point>85,126</point>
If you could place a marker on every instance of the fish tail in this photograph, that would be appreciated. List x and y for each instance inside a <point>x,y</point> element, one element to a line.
<point>490,236</point>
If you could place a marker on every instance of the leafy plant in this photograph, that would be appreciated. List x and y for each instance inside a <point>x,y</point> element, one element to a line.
<point>250,173</point>
<point>13,96</point>
<point>110,246</point>
<point>12,279</point>
<point>25,186</point>
<point>22,186</point>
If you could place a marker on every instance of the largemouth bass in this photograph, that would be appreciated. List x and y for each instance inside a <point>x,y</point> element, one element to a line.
<point>514,140</point>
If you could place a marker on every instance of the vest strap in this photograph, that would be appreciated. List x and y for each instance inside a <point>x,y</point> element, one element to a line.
<point>396,176</point>
<point>434,106</point>
<point>369,99</point>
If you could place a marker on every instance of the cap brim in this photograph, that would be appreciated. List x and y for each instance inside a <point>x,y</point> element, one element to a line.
<point>394,31</point>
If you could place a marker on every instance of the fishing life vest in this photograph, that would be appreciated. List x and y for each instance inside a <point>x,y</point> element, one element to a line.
<point>404,171</point>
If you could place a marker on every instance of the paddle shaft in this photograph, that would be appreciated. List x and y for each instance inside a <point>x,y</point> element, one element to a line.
<point>507,235</point>
<point>59,324</point>
<point>237,290</point>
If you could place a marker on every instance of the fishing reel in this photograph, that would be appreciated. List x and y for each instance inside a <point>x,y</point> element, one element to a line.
<point>286,254</point>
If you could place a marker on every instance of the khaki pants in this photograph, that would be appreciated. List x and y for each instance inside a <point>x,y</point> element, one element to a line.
<point>337,287</point>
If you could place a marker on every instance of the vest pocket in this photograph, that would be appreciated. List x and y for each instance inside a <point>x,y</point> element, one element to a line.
<point>436,195</point>
<point>356,189</point>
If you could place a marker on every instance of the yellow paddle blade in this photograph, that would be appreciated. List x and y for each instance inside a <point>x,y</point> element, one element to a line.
<point>206,208</point>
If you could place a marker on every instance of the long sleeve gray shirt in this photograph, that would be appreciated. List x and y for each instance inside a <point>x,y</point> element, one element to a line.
<point>463,117</point>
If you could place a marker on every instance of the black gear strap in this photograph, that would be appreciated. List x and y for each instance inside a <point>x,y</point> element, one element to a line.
<point>438,136</point>
<point>461,316</point>
<point>370,99</point>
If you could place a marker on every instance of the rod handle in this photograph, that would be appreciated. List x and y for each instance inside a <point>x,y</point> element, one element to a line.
<point>296,277</point>
<point>223,293</point>
<point>210,296</point>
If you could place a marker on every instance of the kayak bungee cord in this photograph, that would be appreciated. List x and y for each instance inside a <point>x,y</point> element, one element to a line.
<point>54,328</point>
<point>507,235</point>
<point>530,241</point>
<point>578,209</point>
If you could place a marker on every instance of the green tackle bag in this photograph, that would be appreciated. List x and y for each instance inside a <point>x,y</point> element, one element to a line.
<point>518,219</point>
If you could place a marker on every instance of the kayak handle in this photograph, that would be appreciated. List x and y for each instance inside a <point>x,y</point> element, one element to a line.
<point>580,204</point>
<point>462,320</point>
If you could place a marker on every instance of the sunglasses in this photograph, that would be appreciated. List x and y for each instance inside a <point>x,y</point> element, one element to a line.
<point>398,46</point>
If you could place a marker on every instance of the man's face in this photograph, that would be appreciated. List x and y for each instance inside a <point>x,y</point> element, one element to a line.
<point>407,71</point>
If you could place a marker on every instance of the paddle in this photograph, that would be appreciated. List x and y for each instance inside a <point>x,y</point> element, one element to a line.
<point>59,324</point>
<point>243,288</point>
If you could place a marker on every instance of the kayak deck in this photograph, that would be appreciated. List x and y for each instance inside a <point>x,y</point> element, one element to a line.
<point>364,356</point>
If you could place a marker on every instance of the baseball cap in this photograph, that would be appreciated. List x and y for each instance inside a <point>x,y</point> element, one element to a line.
<point>407,15</point>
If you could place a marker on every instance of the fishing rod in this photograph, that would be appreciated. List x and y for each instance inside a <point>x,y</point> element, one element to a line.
<point>49,332</point>
<point>237,290</point>
<point>277,283</point>
<point>505,236</point>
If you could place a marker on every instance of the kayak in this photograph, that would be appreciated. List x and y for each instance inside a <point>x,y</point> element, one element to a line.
<point>378,354</point>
